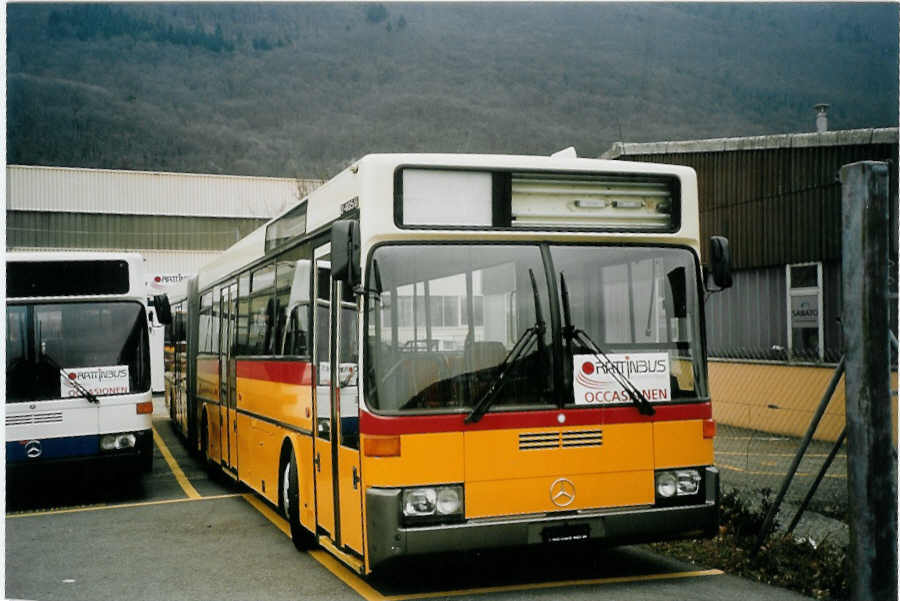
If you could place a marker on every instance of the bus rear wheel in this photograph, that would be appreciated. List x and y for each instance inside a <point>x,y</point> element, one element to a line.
<point>204,440</point>
<point>289,499</point>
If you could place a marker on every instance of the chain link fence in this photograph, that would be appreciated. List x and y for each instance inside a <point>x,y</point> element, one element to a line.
<point>763,409</point>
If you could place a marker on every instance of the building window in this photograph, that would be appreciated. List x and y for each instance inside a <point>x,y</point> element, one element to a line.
<point>804,311</point>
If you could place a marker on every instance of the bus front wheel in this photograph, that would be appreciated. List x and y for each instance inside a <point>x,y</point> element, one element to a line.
<point>290,503</point>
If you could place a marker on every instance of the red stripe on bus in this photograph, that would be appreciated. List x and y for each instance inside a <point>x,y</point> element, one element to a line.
<point>284,372</point>
<point>423,424</point>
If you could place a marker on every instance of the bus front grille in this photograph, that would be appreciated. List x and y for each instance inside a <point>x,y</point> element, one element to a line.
<point>554,440</point>
<point>24,419</point>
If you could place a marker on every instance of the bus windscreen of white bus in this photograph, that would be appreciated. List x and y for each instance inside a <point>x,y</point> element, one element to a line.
<point>102,345</point>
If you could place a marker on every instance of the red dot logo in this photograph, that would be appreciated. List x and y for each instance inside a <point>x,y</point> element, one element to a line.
<point>157,279</point>
<point>587,367</point>
<point>72,376</point>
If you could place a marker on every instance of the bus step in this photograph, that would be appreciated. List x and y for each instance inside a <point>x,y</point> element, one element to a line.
<point>351,561</point>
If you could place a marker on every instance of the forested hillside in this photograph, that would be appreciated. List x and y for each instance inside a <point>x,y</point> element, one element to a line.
<point>301,89</point>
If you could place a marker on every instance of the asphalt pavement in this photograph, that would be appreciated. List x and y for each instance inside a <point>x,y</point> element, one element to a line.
<point>95,536</point>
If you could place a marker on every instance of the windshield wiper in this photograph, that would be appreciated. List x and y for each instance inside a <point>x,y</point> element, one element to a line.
<point>534,333</point>
<point>572,333</point>
<point>90,396</point>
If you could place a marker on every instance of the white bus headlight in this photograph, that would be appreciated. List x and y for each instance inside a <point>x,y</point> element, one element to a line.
<point>432,503</point>
<point>688,482</point>
<point>666,484</point>
<point>448,501</point>
<point>419,502</point>
<point>115,442</point>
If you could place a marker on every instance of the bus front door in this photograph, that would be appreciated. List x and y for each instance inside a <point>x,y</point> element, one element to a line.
<point>345,395</point>
<point>336,457</point>
<point>227,379</point>
<point>322,447</point>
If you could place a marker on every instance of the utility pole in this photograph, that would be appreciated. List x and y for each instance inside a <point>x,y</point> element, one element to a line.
<point>871,455</point>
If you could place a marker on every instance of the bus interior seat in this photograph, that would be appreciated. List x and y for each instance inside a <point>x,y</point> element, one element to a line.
<point>423,370</point>
<point>485,354</point>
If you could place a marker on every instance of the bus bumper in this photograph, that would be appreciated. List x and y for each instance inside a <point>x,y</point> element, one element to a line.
<point>389,538</point>
<point>22,458</point>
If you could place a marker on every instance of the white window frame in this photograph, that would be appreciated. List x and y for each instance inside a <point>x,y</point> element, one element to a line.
<point>804,291</point>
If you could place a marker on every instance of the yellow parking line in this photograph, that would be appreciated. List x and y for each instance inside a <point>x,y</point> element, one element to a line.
<point>362,588</point>
<point>185,484</point>
<point>118,506</point>
<point>557,584</point>
<point>329,562</point>
<point>365,590</point>
<point>744,454</point>
<point>734,468</point>
<point>267,512</point>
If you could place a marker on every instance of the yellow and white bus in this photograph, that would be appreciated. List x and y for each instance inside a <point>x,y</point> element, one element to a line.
<point>439,352</point>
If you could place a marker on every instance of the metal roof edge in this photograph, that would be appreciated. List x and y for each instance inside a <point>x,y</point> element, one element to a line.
<point>846,137</point>
<point>166,173</point>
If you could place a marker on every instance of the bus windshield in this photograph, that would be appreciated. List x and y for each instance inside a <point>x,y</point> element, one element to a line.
<point>444,321</point>
<point>104,345</point>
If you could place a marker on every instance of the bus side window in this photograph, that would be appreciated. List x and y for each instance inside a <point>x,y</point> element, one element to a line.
<point>262,311</point>
<point>242,323</point>
<point>292,284</point>
<point>295,339</point>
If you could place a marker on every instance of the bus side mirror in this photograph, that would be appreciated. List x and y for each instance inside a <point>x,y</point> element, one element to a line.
<point>163,309</point>
<point>345,252</point>
<point>720,261</point>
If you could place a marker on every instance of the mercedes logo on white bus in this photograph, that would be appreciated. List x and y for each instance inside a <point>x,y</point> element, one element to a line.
<point>562,492</point>
<point>33,449</point>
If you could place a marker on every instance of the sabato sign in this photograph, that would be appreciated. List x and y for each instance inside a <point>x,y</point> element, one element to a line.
<point>97,380</point>
<point>595,385</point>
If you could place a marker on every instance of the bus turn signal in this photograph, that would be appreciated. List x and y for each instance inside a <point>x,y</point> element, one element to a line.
<point>382,446</point>
<point>145,407</point>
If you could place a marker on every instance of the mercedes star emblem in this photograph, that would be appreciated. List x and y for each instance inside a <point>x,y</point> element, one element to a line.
<point>562,492</point>
<point>33,449</point>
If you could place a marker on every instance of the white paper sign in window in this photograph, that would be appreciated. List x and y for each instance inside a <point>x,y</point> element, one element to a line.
<point>594,383</point>
<point>447,198</point>
<point>97,380</point>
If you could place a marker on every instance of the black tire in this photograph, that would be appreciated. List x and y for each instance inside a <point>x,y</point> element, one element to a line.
<point>146,461</point>
<point>204,441</point>
<point>289,501</point>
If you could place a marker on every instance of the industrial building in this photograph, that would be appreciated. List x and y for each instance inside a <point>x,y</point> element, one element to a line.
<point>177,221</point>
<point>775,337</point>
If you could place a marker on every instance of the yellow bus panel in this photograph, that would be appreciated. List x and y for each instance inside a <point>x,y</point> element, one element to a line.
<point>681,444</point>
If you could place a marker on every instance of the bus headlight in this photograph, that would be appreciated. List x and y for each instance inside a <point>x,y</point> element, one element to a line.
<point>434,502</point>
<point>116,442</point>
<point>419,502</point>
<point>448,501</point>
<point>677,483</point>
<point>666,484</point>
<point>688,482</point>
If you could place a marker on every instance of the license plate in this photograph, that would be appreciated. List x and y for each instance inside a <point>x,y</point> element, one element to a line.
<point>566,534</point>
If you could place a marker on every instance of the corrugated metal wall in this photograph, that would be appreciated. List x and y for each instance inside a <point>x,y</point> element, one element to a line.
<point>777,206</point>
<point>61,189</point>
<point>759,297</point>
<point>84,230</point>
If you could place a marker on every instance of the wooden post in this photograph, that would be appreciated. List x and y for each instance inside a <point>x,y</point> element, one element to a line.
<point>871,456</point>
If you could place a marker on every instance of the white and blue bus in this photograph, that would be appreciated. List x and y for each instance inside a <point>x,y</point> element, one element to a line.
<point>78,360</point>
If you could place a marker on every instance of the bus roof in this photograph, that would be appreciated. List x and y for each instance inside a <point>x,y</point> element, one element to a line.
<point>330,201</point>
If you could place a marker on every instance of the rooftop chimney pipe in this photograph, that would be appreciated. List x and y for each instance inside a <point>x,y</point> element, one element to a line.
<point>822,117</point>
